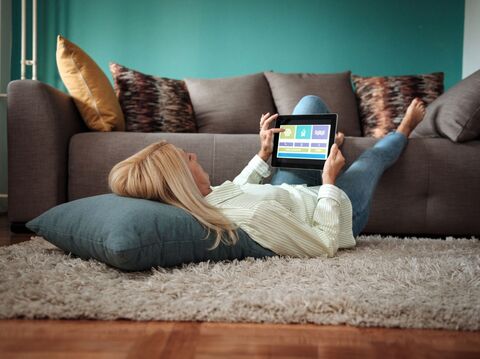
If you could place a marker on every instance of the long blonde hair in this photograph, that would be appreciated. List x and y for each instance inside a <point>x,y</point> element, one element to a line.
<point>159,172</point>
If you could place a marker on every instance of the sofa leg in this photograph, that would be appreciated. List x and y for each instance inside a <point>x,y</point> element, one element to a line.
<point>19,227</point>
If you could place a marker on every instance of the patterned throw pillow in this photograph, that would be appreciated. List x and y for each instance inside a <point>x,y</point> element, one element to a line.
<point>384,100</point>
<point>152,104</point>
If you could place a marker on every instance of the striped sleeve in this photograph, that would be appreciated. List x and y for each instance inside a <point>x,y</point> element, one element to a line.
<point>289,236</point>
<point>326,216</point>
<point>255,171</point>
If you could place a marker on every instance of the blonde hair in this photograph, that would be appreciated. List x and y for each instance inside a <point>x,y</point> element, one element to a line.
<point>159,172</point>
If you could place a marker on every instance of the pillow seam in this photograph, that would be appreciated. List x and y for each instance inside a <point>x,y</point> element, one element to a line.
<point>468,122</point>
<point>88,238</point>
<point>103,243</point>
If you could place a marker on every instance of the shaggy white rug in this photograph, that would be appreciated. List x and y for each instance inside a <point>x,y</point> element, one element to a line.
<point>384,281</point>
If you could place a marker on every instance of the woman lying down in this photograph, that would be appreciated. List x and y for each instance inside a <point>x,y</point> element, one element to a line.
<point>295,215</point>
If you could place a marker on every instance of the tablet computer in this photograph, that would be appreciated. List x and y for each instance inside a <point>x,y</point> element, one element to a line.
<point>306,141</point>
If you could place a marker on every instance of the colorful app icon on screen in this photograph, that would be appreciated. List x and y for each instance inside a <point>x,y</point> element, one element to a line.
<point>321,132</point>
<point>304,132</point>
<point>289,132</point>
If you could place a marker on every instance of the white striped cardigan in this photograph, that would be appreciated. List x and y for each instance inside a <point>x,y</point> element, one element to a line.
<point>290,220</point>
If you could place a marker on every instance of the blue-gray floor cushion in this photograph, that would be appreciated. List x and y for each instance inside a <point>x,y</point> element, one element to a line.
<point>135,234</point>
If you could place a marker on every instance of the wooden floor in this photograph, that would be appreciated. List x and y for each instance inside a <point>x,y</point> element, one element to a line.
<point>126,339</point>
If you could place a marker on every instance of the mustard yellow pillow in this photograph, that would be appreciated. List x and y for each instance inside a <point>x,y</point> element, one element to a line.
<point>90,88</point>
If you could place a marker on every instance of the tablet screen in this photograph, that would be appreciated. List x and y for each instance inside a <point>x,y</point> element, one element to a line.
<point>306,141</point>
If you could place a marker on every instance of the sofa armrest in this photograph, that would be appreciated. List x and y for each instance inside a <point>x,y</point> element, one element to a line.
<point>40,122</point>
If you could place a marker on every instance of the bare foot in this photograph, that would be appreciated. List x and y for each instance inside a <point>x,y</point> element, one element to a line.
<point>413,116</point>
<point>339,138</point>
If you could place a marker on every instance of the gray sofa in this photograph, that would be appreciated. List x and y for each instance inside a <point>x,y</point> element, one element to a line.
<point>433,190</point>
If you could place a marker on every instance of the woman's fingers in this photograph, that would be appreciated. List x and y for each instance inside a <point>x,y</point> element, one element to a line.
<point>336,154</point>
<point>266,120</point>
<point>334,149</point>
<point>340,159</point>
<point>262,123</point>
<point>263,118</point>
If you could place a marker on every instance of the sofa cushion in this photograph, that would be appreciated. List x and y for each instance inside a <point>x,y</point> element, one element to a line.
<point>152,104</point>
<point>455,114</point>
<point>383,100</point>
<point>335,89</point>
<point>230,105</point>
<point>135,234</point>
<point>89,87</point>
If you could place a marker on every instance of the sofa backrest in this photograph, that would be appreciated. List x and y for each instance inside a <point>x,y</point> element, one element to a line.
<point>230,105</point>
<point>334,89</point>
<point>235,104</point>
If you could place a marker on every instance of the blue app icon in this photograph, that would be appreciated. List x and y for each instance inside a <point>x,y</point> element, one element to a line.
<point>304,132</point>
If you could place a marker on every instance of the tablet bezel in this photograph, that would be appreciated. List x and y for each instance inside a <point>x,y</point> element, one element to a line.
<point>318,119</point>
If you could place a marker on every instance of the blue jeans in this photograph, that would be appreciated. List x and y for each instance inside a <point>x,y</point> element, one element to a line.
<point>360,179</point>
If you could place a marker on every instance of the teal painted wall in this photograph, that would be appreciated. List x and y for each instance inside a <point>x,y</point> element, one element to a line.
<point>217,38</point>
